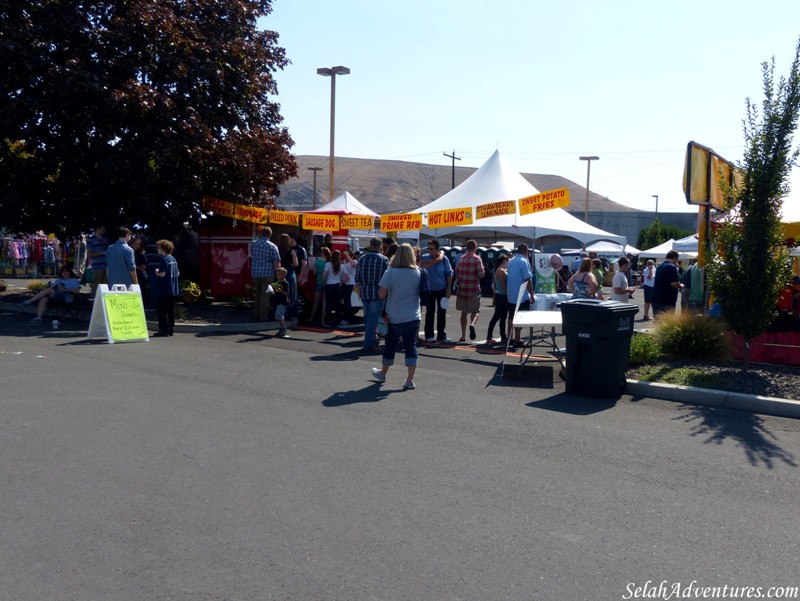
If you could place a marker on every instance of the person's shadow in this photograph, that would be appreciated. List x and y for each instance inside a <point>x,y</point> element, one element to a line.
<point>369,394</point>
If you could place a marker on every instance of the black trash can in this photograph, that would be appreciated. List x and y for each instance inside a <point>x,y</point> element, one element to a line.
<point>598,337</point>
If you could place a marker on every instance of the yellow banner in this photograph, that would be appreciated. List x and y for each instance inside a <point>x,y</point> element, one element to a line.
<point>493,209</point>
<point>218,207</point>
<point>284,218</point>
<point>544,201</point>
<point>450,217</point>
<point>251,214</point>
<point>702,166</point>
<point>320,221</point>
<point>357,222</point>
<point>401,222</point>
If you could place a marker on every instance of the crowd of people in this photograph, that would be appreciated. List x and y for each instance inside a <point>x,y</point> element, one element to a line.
<point>385,279</point>
<point>121,263</point>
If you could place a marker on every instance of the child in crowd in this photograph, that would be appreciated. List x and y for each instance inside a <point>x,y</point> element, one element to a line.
<point>167,288</point>
<point>281,300</point>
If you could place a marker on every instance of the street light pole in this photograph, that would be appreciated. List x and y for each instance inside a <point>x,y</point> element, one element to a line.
<point>588,172</point>
<point>314,198</point>
<point>332,73</point>
<point>656,197</point>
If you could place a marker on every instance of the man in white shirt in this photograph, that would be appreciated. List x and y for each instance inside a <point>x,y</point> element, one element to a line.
<point>620,289</point>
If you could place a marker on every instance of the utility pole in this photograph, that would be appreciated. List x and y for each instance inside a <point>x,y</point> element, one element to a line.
<point>455,158</point>
<point>314,198</point>
<point>588,172</point>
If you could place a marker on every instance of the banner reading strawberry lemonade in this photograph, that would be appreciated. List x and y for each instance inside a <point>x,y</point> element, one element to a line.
<point>493,209</point>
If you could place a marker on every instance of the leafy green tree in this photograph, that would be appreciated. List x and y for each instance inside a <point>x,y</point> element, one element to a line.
<point>129,112</point>
<point>748,269</point>
<point>658,233</point>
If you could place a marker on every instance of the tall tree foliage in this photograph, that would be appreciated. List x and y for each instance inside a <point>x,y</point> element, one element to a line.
<point>748,270</point>
<point>658,233</point>
<point>125,112</point>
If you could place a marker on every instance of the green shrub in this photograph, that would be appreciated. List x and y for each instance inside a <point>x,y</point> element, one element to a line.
<point>687,336</point>
<point>682,376</point>
<point>36,287</point>
<point>644,349</point>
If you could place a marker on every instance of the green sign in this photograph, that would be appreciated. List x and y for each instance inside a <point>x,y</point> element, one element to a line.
<point>125,315</point>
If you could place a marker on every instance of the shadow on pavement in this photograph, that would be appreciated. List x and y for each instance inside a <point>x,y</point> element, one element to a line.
<point>529,376</point>
<point>349,355</point>
<point>745,429</point>
<point>370,394</point>
<point>574,405</point>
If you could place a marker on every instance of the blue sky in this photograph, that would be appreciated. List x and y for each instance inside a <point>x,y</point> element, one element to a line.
<point>545,82</point>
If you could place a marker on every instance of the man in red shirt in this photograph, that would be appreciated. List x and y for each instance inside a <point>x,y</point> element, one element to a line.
<point>469,273</point>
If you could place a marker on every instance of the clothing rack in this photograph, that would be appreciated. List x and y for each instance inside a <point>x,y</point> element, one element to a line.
<point>32,256</point>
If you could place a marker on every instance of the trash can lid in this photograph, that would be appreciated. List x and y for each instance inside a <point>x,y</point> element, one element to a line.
<point>594,304</point>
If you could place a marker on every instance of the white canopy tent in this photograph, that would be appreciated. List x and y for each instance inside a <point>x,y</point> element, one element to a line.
<point>497,180</point>
<point>660,251</point>
<point>687,244</point>
<point>345,203</point>
<point>604,248</point>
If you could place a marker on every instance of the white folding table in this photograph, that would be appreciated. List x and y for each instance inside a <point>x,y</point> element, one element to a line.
<point>542,330</point>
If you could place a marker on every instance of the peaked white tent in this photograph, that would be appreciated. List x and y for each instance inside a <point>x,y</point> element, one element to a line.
<point>662,249</point>
<point>345,203</point>
<point>497,180</point>
<point>605,248</point>
<point>687,244</point>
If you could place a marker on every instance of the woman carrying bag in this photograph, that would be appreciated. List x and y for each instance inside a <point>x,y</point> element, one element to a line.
<point>399,286</point>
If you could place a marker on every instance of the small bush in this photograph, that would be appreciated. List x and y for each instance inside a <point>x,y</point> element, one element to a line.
<point>36,287</point>
<point>644,349</point>
<point>692,337</point>
<point>682,376</point>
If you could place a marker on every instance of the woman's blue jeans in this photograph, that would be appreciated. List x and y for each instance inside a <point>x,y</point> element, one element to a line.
<point>409,331</point>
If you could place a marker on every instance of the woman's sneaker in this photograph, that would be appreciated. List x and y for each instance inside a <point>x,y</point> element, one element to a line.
<point>378,375</point>
<point>37,320</point>
<point>409,385</point>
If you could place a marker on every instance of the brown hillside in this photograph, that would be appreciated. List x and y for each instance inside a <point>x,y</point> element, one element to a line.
<point>397,186</point>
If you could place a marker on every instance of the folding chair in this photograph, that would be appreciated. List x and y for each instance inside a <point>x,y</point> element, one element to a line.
<point>58,309</point>
<point>510,335</point>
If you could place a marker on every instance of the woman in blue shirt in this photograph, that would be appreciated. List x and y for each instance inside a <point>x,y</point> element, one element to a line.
<point>399,286</point>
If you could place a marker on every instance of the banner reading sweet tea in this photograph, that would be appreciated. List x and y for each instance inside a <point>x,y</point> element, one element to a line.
<point>357,222</point>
